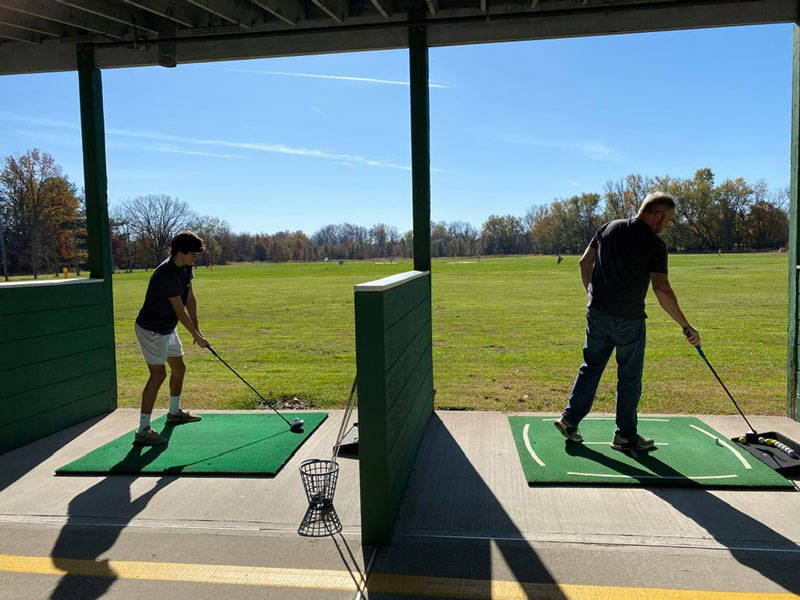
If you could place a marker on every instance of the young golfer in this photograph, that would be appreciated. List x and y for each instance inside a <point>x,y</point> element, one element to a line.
<point>169,299</point>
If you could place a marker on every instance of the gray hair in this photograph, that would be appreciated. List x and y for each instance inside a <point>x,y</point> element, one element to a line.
<point>656,202</point>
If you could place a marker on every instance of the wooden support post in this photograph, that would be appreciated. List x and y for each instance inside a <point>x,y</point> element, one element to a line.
<point>792,404</point>
<point>95,181</point>
<point>420,147</point>
<point>94,165</point>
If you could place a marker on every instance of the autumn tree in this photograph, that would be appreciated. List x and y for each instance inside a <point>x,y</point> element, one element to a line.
<point>156,219</point>
<point>38,207</point>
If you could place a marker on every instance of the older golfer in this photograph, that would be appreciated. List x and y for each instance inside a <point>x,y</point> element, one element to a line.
<point>622,259</point>
<point>169,299</point>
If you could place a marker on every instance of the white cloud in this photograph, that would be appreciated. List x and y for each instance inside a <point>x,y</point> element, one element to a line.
<point>315,109</point>
<point>260,147</point>
<point>590,148</point>
<point>335,77</point>
<point>175,140</point>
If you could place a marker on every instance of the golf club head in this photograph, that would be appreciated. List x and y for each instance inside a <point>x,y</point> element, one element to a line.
<point>297,425</point>
<point>751,437</point>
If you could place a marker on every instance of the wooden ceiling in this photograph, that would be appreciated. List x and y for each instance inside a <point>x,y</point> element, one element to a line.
<point>40,35</point>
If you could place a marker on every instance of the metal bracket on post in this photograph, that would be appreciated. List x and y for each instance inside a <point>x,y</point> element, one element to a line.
<point>167,50</point>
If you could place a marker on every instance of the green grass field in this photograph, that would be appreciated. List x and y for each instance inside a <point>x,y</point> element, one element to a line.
<point>508,334</point>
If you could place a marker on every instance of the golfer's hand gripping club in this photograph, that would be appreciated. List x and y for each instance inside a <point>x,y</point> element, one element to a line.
<point>692,336</point>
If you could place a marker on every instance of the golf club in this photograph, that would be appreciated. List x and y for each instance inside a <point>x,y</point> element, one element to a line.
<point>296,425</point>
<point>752,435</point>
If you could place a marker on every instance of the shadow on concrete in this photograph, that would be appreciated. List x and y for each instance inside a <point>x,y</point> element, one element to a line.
<point>82,541</point>
<point>767,552</point>
<point>16,463</point>
<point>447,495</point>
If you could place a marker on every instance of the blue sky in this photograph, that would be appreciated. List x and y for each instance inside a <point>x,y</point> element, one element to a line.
<point>298,143</point>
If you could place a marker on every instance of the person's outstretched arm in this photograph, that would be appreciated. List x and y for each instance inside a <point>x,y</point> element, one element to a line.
<point>669,302</point>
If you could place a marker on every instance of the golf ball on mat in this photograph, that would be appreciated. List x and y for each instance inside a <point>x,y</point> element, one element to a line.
<point>742,440</point>
<point>761,440</point>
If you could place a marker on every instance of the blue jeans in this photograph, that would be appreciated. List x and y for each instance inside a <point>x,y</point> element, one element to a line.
<point>603,334</point>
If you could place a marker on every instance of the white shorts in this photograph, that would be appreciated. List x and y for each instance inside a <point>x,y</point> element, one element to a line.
<point>156,347</point>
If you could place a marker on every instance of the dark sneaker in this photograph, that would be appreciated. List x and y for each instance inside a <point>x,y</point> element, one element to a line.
<point>636,443</point>
<point>569,432</point>
<point>149,437</point>
<point>182,416</point>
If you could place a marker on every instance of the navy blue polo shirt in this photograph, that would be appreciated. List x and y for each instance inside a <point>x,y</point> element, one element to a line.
<point>167,281</point>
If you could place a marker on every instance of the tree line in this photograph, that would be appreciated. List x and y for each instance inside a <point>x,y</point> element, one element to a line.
<point>43,224</point>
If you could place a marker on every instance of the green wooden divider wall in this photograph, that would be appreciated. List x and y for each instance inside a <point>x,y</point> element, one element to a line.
<point>394,359</point>
<point>56,358</point>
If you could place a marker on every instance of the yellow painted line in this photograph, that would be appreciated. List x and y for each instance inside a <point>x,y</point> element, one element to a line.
<point>318,579</point>
<point>186,572</point>
<point>475,589</point>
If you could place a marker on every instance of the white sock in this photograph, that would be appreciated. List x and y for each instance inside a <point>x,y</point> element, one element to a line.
<point>144,422</point>
<point>174,404</point>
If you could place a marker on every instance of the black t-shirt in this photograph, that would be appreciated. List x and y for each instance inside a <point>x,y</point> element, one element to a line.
<point>167,281</point>
<point>627,252</point>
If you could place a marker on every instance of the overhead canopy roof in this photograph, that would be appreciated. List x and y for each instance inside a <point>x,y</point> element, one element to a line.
<point>40,35</point>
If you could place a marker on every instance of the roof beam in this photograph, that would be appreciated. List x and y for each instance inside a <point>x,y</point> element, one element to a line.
<point>34,24</point>
<point>287,11</point>
<point>65,15</point>
<point>333,8</point>
<point>232,11</point>
<point>182,14</point>
<point>19,35</point>
<point>433,6</point>
<point>384,7</point>
<point>131,16</point>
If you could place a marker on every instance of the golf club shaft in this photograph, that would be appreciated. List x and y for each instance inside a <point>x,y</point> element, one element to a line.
<point>345,419</point>
<point>248,385</point>
<point>703,356</point>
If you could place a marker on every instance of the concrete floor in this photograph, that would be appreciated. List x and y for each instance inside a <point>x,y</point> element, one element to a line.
<point>469,527</point>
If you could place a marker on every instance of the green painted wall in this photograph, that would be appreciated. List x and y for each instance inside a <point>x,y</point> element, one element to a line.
<point>56,358</point>
<point>394,359</point>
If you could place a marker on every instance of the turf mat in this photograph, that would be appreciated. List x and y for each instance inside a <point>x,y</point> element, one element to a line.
<point>688,453</point>
<point>220,444</point>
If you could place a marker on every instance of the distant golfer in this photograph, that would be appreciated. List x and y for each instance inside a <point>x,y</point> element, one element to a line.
<point>169,299</point>
<point>623,257</point>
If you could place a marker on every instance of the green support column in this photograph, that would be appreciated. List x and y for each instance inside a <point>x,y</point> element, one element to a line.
<point>420,147</point>
<point>793,407</point>
<point>94,165</point>
<point>95,181</point>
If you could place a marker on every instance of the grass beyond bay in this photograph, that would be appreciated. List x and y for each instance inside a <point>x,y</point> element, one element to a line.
<point>508,334</point>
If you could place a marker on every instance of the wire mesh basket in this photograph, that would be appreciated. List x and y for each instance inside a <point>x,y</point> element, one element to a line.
<point>320,522</point>
<point>319,480</point>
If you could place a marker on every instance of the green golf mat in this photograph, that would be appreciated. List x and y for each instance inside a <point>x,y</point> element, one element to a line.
<point>688,453</point>
<point>220,444</point>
